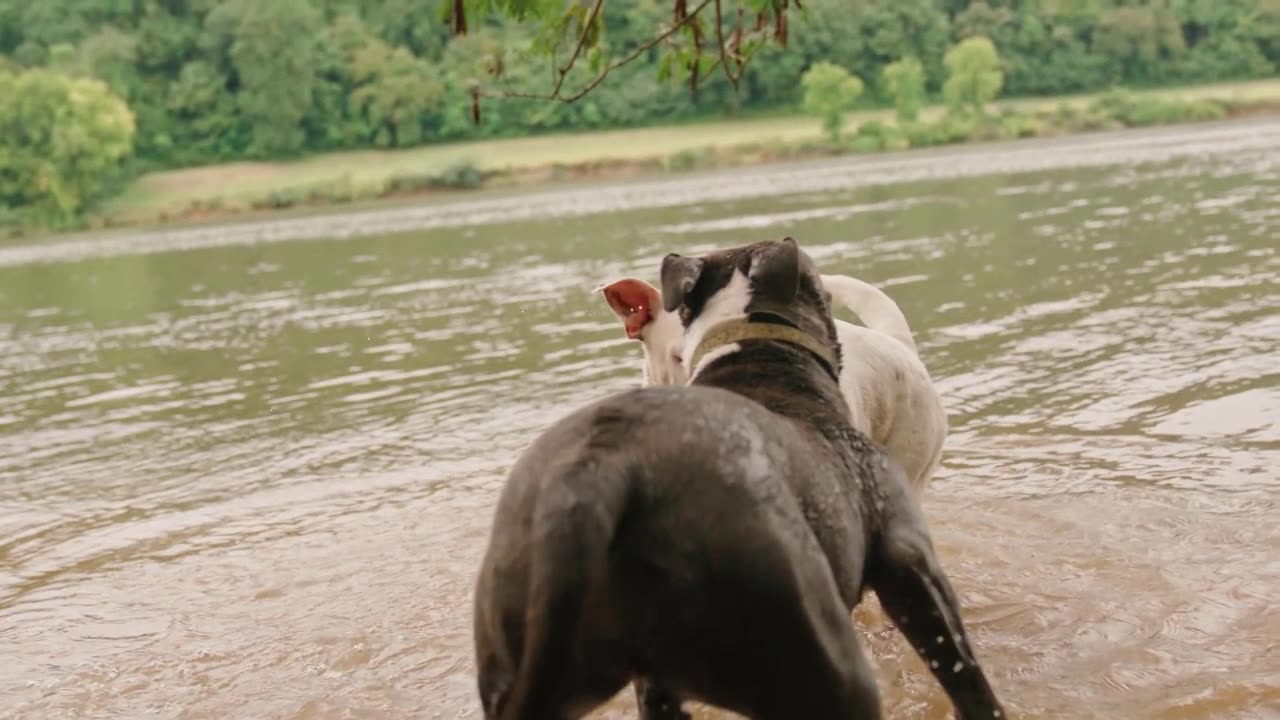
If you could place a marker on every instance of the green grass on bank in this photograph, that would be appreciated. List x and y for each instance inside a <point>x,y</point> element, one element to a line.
<point>170,193</point>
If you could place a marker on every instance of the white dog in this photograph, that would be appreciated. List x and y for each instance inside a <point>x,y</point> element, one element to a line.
<point>890,394</point>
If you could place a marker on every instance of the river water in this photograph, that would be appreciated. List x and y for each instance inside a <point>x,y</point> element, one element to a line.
<point>248,471</point>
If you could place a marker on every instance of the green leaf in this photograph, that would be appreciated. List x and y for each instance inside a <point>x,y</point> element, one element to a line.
<point>687,30</point>
<point>574,16</point>
<point>551,35</point>
<point>684,57</point>
<point>680,68</point>
<point>594,31</point>
<point>595,59</point>
<point>523,9</point>
<point>705,63</point>
<point>664,67</point>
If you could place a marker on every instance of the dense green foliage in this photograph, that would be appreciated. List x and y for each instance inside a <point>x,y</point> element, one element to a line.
<point>213,80</point>
<point>61,139</point>
<point>830,92</point>
<point>218,80</point>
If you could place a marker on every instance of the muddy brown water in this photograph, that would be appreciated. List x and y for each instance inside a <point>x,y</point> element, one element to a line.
<point>248,471</point>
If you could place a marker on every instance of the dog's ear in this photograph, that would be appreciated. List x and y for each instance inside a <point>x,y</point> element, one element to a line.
<point>635,302</point>
<point>775,271</point>
<point>679,276</point>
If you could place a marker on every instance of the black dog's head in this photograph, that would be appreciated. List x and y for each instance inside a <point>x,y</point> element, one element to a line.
<point>764,282</point>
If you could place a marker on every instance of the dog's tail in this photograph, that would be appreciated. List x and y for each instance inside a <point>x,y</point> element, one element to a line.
<point>573,526</point>
<point>875,309</point>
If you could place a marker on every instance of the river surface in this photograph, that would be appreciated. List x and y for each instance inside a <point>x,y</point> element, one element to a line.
<point>248,471</point>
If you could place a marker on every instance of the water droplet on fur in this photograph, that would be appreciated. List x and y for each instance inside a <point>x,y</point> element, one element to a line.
<point>957,667</point>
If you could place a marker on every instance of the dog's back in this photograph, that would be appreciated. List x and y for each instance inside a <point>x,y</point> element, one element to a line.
<point>648,534</point>
<point>893,400</point>
<point>709,541</point>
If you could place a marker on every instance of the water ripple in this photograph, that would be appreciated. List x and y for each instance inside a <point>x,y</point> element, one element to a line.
<point>261,477</point>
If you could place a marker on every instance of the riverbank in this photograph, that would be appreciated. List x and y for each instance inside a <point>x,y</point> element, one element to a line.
<point>468,213</point>
<point>344,179</point>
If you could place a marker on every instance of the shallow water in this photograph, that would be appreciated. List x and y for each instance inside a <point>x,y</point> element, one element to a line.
<point>247,472</point>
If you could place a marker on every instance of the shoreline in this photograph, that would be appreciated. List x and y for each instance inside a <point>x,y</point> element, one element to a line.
<point>354,180</point>
<point>578,199</point>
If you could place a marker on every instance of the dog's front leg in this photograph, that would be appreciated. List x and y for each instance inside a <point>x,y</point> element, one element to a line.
<point>657,703</point>
<point>916,595</point>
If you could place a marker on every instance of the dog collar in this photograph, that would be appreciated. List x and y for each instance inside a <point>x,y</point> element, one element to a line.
<point>731,331</point>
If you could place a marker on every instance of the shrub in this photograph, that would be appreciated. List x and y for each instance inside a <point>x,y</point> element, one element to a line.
<point>955,127</point>
<point>875,135</point>
<point>919,134</point>
<point>1126,109</point>
<point>280,199</point>
<point>1065,114</point>
<point>682,160</point>
<point>775,149</point>
<point>12,222</point>
<point>896,140</point>
<point>1152,112</point>
<point>873,128</point>
<point>462,175</point>
<point>1020,126</point>
<point>1097,120</point>
<point>974,77</point>
<point>905,81</point>
<point>409,182</point>
<point>336,191</point>
<point>829,92</point>
<point>63,142</point>
<point>866,144</point>
<point>1116,103</point>
<point>1015,124</point>
<point>1204,110</point>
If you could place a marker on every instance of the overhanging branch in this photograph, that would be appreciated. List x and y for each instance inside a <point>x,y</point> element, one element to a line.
<point>563,71</point>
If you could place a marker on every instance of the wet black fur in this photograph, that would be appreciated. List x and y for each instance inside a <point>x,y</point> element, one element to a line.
<point>709,542</point>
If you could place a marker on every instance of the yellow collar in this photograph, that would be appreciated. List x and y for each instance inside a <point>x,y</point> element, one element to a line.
<point>732,331</point>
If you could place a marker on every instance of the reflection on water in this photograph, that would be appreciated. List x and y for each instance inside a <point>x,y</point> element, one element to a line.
<point>254,480</point>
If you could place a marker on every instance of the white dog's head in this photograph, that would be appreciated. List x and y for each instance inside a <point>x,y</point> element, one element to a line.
<point>639,306</point>
<point>764,278</point>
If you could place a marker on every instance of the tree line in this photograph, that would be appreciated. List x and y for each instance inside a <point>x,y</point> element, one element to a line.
<point>168,83</point>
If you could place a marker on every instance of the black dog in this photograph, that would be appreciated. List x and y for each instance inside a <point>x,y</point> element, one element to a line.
<point>710,541</point>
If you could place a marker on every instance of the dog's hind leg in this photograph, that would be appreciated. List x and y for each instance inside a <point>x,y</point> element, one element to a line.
<point>817,684</point>
<point>913,590</point>
<point>812,665</point>
<point>559,675</point>
<point>657,703</point>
